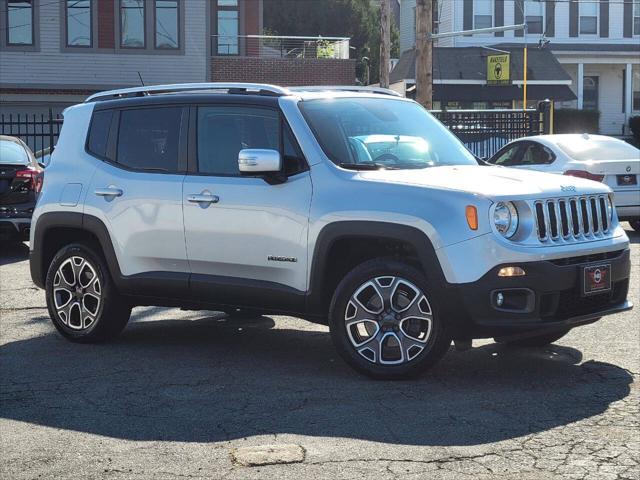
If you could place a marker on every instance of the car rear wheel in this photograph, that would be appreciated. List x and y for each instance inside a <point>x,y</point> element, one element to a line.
<point>81,297</point>
<point>384,321</point>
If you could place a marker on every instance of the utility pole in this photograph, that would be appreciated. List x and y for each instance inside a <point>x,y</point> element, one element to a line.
<point>424,53</point>
<point>385,43</point>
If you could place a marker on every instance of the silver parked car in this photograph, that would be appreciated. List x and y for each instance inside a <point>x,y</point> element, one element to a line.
<point>344,206</point>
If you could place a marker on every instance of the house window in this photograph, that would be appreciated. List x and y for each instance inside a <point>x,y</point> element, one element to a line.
<point>78,16</point>
<point>535,17</point>
<point>589,17</point>
<point>228,27</point>
<point>483,14</point>
<point>132,31</point>
<point>166,24</point>
<point>20,22</point>
<point>636,17</point>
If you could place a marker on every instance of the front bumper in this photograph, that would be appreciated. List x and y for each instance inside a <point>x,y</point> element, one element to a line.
<point>548,297</point>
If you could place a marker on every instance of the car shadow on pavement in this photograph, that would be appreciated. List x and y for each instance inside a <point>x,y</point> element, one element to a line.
<point>212,379</point>
<point>13,252</point>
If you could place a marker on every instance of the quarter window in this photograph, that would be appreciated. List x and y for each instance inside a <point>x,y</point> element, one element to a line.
<point>636,17</point>
<point>99,133</point>
<point>166,26</point>
<point>132,31</point>
<point>78,23</point>
<point>20,22</point>
<point>589,17</point>
<point>225,130</point>
<point>148,138</point>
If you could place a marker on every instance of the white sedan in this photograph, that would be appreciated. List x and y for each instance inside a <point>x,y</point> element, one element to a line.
<point>595,157</point>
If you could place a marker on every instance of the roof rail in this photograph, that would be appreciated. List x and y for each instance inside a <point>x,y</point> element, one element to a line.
<point>345,88</point>
<point>255,88</point>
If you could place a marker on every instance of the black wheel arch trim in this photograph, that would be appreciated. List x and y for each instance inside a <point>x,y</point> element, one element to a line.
<point>341,230</point>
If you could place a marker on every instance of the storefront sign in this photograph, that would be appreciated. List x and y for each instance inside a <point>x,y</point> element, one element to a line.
<point>498,69</point>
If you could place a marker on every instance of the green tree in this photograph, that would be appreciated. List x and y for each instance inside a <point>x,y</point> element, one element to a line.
<point>357,19</point>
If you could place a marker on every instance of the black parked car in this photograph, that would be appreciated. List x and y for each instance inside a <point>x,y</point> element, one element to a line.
<point>21,178</point>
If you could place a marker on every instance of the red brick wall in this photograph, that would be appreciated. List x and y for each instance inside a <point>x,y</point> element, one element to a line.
<point>285,72</point>
<point>106,24</point>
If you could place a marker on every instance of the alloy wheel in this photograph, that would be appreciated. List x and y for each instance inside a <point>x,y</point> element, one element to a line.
<point>388,320</point>
<point>77,293</point>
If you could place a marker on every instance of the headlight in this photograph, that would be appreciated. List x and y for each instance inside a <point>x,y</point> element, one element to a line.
<point>505,219</point>
<point>610,208</point>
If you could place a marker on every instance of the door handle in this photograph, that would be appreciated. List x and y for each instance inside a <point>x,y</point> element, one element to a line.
<point>203,198</point>
<point>109,192</point>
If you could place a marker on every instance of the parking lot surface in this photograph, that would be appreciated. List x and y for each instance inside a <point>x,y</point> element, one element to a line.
<point>197,395</point>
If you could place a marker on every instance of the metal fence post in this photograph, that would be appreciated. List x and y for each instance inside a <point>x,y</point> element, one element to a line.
<point>50,130</point>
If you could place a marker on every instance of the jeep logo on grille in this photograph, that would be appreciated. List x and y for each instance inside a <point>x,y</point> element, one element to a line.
<point>568,188</point>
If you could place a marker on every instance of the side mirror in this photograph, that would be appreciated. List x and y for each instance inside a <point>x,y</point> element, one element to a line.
<point>258,160</point>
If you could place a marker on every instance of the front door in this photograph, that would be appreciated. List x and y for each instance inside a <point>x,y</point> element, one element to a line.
<point>246,238</point>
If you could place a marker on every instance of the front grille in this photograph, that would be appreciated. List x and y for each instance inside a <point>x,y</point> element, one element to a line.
<point>570,219</point>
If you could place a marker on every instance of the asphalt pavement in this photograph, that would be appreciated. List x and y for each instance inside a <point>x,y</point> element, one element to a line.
<point>197,395</point>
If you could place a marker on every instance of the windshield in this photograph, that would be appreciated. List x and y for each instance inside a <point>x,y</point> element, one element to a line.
<point>12,153</point>
<point>599,149</point>
<point>382,133</point>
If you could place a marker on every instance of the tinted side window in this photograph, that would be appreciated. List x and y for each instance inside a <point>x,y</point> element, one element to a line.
<point>148,138</point>
<point>225,130</point>
<point>99,133</point>
<point>536,154</point>
<point>507,157</point>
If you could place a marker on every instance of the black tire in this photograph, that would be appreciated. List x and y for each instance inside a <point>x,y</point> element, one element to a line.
<point>635,224</point>
<point>539,340</point>
<point>437,340</point>
<point>112,312</point>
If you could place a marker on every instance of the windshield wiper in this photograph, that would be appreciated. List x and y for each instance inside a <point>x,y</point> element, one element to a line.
<point>367,166</point>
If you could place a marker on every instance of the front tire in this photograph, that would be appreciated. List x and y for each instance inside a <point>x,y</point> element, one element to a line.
<point>82,300</point>
<point>384,321</point>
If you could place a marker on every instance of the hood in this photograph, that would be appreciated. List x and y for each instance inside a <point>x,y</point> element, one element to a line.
<point>491,182</point>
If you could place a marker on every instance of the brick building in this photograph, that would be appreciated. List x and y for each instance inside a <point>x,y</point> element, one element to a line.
<point>53,54</point>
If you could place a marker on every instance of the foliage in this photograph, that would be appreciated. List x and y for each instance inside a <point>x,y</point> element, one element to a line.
<point>573,120</point>
<point>634,126</point>
<point>357,19</point>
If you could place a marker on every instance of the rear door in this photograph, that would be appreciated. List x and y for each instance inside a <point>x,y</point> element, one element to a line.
<point>137,192</point>
<point>248,245</point>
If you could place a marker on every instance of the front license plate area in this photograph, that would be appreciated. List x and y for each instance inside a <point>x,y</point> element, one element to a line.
<point>596,279</point>
<point>625,180</point>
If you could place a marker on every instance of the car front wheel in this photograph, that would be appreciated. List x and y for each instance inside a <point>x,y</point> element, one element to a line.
<point>81,298</point>
<point>384,321</point>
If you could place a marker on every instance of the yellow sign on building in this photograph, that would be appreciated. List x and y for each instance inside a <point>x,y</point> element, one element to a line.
<point>498,69</point>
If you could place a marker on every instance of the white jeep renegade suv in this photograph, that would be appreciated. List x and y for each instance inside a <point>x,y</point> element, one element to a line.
<point>352,208</point>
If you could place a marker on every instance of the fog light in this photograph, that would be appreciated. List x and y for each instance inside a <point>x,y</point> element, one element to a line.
<point>511,272</point>
<point>499,299</point>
